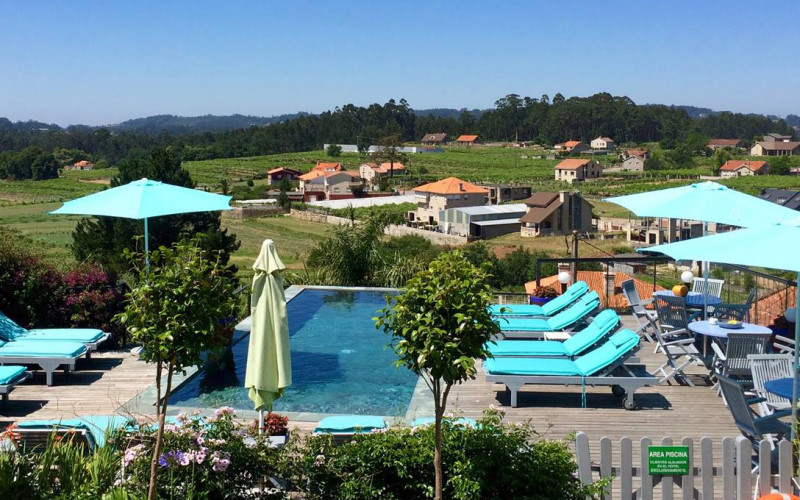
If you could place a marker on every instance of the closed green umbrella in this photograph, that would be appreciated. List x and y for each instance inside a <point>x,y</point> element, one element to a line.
<point>269,368</point>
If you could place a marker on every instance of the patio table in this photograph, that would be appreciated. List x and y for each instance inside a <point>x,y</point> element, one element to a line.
<point>780,387</point>
<point>717,332</point>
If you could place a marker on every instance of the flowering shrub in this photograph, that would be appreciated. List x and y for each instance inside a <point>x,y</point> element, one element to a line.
<point>202,457</point>
<point>489,460</point>
<point>34,292</point>
<point>275,425</point>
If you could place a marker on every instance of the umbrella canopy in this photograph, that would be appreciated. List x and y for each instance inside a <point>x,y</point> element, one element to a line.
<point>269,368</point>
<point>143,199</point>
<point>707,202</point>
<point>774,246</point>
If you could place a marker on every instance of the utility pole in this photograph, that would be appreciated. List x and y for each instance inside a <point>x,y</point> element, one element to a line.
<point>574,256</point>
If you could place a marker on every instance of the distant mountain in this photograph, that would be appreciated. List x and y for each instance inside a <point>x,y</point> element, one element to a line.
<point>193,124</point>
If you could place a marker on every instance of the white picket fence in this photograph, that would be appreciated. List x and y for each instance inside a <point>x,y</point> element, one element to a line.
<point>736,475</point>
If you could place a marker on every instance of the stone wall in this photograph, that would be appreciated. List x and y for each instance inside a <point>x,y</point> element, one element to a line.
<point>254,211</point>
<point>432,236</point>
<point>317,217</point>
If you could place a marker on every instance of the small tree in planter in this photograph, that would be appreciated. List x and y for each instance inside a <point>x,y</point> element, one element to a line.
<point>174,314</point>
<point>440,326</point>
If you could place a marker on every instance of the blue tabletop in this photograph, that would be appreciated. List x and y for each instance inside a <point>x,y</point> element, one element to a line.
<point>780,387</point>
<point>693,299</point>
<point>706,328</point>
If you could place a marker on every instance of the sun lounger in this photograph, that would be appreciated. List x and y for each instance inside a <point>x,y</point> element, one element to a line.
<point>603,366</point>
<point>344,427</point>
<point>92,430</point>
<point>565,320</point>
<point>10,376</point>
<point>48,355</point>
<point>91,337</point>
<point>600,327</point>
<point>558,304</point>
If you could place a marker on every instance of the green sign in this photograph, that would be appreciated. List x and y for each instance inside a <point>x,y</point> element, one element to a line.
<point>668,460</point>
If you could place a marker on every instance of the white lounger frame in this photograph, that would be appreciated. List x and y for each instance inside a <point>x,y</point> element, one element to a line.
<point>623,380</point>
<point>48,364</point>
<point>5,389</point>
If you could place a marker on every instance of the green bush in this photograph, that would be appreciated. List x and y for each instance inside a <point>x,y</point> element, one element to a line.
<point>490,460</point>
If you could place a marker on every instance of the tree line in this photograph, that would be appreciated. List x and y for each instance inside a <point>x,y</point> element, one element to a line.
<point>543,120</point>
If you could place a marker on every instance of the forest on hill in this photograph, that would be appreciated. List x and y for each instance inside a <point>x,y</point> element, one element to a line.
<point>543,120</point>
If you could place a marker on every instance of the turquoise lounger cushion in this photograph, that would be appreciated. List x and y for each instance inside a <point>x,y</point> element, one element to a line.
<point>603,323</point>
<point>86,335</point>
<point>516,309</point>
<point>615,348</point>
<point>10,373</point>
<point>527,348</point>
<point>422,421</point>
<point>349,424</point>
<point>587,365</point>
<point>524,325</point>
<point>9,330</point>
<point>550,308</point>
<point>531,366</point>
<point>39,349</point>
<point>97,425</point>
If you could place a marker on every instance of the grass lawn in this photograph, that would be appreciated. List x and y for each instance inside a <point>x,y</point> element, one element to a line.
<point>293,239</point>
<point>54,232</point>
<point>554,245</point>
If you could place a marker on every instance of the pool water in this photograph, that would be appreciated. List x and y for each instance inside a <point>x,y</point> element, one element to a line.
<point>340,362</point>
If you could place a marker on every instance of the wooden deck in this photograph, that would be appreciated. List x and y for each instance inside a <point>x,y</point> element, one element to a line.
<point>109,380</point>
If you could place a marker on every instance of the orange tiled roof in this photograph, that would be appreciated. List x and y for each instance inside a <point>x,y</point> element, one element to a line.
<point>308,176</point>
<point>597,282</point>
<point>451,185</point>
<point>732,165</point>
<point>723,142</point>
<point>636,152</point>
<point>571,144</point>
<point>467,138</point>
<point>327,166</point>
<point>571,164</point>
<point>282,169</point>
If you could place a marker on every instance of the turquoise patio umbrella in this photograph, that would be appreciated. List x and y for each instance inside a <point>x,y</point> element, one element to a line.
<point>706,202</point>
<point>772,246</point>
<point>144,199</point>
<point>269,363</point>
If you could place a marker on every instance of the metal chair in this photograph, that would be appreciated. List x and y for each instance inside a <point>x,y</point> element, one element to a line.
<point>714,286</point>
<point>645,318</point>
<point>753,427</point>
<point>733,362</point>
<point>739,312</point>
<point>674,339</point>
<point>765,367</point>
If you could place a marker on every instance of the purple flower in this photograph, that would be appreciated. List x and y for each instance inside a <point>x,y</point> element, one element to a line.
<point>132,454</point>
<point>170,458</point>
<point>220,461</point>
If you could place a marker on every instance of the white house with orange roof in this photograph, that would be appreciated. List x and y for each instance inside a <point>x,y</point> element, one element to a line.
<point>602,143</point>
<point>373,174</point>
<point>436,197</point>
<point>571,146</point>
<point>738,168</point>
<point>467,140</point>
<point>327,183</point>
<point>577,170</point>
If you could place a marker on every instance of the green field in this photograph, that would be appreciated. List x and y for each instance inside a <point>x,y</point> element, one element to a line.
<point>24,204</point>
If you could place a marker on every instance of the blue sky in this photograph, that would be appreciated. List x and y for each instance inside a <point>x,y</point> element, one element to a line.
<point>104,62</point>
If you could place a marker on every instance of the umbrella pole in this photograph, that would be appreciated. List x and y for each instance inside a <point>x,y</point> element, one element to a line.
<point>261,420</point>
<point>146,248</point>
<point>705,279</point>
<point>796,358</point>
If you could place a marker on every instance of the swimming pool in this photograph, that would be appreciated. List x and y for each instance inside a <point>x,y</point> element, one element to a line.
<point>340,362</point>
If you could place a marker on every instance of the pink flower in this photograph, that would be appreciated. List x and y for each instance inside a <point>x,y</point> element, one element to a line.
<point>200,455</point>
<point>220,461</point>
<point>181,418</point>
<point>224,410</point>
<point>187,458</point>
<point>201,440</point>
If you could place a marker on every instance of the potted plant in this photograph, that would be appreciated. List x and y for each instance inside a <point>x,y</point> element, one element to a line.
<point>542,295</point>
<point>276,428</point>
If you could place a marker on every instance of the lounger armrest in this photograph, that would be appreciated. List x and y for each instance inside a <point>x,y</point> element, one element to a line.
<point>759,399</point>
<point>771,424</point>
<point>679,342</point>
<point>647,302</point>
